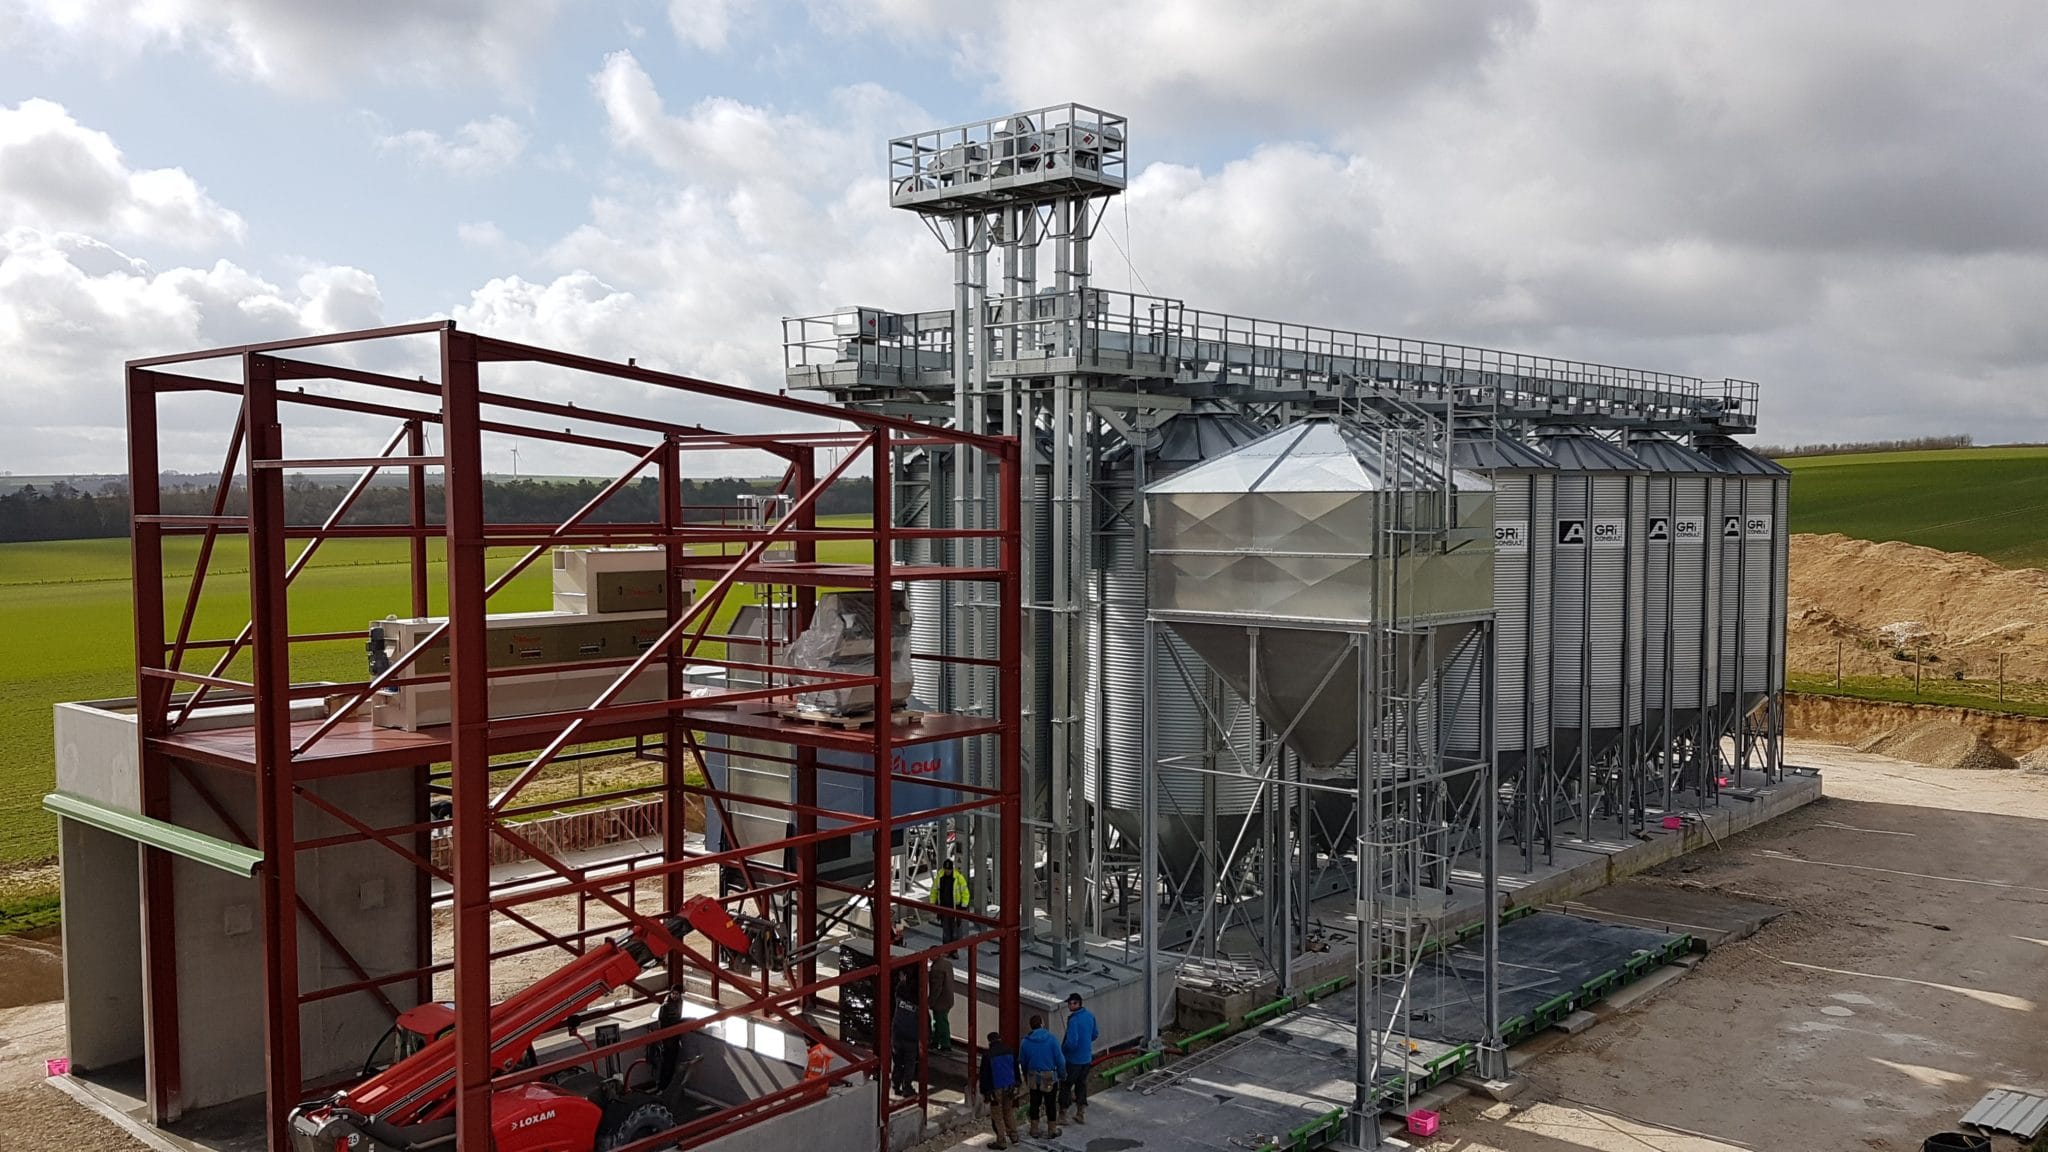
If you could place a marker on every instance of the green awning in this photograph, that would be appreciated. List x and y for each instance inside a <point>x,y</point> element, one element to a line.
<point>178,841</point>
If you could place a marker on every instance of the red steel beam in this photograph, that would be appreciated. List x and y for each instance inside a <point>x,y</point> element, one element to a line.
<point>494,349</point>
<point>469,747</point>
<point>205,559</point>
<point>162,1073</point>
<point>240,350</point>
<point>668,636</point>
<point>270,650</point>
<point>305,557</point>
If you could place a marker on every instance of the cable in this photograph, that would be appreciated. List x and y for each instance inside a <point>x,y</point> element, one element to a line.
<point>1133,268</point>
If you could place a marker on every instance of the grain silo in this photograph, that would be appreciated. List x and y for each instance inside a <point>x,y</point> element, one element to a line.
<point>1524,499</point>
<point>1596,654</point>
<point>1681,605</point>
<point>1117,705</point>
<point>1753,537</point>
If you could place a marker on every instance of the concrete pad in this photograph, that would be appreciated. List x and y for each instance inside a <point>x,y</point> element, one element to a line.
<point>1576,1023</point>
<point>1496,1090</point>
<point>1626,998</point>
<point>1709,916</point>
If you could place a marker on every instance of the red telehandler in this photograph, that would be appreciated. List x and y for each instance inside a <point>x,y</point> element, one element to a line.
<point>410,1106</point>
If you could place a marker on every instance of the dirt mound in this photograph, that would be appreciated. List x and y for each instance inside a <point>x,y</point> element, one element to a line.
<point>1939,744</point>
<point>2035,761</point>
<point>1876,599</point>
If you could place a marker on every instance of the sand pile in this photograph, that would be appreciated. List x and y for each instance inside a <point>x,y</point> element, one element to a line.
<point>1965,608</point>
<point>1939,744</point>
<point>2035,761</point>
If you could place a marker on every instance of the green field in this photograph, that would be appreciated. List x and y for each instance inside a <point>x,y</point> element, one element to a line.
<point>1991,501</point>
<point>68,618</point>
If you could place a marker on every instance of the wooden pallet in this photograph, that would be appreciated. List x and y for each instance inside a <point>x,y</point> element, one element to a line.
<point>850,721</point>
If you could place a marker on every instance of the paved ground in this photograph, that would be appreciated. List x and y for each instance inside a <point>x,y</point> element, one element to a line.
<point>1910,975</point>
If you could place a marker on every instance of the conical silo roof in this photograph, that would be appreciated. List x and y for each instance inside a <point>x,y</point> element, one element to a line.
<point>1660,453</point>
<point>1730,456</point>
<point>1579,450</point>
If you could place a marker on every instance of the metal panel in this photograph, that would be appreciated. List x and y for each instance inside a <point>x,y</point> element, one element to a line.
<point>178,841</point>
<point>1597,609</point>
<point>1524,502</point>
<point>2021,1114</point>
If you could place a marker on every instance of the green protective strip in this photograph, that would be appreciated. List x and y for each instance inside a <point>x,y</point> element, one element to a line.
<point>178,841</point>
<point>1209,1033</point>
<point>1562,1000</point>
<point>1325,988</point>
<point>1454,1057</point>
<point>1110,1073</point>
<point>1300,1137</point>
<point>1265,1010</point>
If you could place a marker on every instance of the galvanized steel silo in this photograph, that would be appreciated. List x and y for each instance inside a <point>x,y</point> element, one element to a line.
<point>1596,654</point>
<point>1524,501</point>
<point>1682,579</point>
<point>1115,712</point>
<point>1753,536</point>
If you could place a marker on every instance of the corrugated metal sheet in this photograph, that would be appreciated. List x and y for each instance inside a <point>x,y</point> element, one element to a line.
<point>2022,1114</point>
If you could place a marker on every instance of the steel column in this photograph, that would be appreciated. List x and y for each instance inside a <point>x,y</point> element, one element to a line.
<point>270,650</point>
<point>468,753</point>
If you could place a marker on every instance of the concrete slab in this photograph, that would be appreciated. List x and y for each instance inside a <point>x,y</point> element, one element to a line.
<point>1712,918</point>
<point>1576,1023</point>
<point>1582,861</point>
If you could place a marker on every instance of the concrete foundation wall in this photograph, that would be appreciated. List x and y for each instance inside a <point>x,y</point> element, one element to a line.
<point>366,894</point>
<point>101,877</point>
<point>96,749</point>
<point>844,1121</point>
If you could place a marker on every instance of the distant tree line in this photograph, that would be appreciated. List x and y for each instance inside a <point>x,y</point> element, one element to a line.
<point>60,511</point>
<point>1916,444</point>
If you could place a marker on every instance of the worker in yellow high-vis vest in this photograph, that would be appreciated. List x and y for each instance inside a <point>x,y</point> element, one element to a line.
<point>949,891</point>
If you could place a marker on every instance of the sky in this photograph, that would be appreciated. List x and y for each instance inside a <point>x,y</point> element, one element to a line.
<point>1841,199</point>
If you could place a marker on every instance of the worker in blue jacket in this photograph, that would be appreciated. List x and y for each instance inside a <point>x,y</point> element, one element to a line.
<point>1078,1051</point>
<point>999,1087</point>
<point>1044,1071</point>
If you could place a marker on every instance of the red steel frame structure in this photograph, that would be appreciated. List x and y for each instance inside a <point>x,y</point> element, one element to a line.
<point>279,757</point>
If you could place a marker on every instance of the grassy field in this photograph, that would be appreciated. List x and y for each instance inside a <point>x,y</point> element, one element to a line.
<point>2020,699</point>
<point>1991,501</point>
<point>67,614</point>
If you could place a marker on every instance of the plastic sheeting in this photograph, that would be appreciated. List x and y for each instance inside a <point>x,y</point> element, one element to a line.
<point>841,640</point>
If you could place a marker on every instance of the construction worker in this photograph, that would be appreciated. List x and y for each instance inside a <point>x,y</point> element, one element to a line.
<point>939,998</point>
<point>1078,1050</point>
<point>999,1088</point>
<point>1044,1070</point>
<point>903,1037</point>
<point>949,891</point>
<point>817,1062</point>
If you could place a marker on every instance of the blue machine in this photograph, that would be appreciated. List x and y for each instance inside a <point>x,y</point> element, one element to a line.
<point>919,773</point>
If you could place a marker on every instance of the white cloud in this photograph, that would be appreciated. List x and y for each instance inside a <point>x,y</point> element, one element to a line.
<point>72,310</point>
<point>478,148</point>
<point>706,24</point>
<point>56,174</point>
<point>291,44</point>
<point>1841,200</point>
